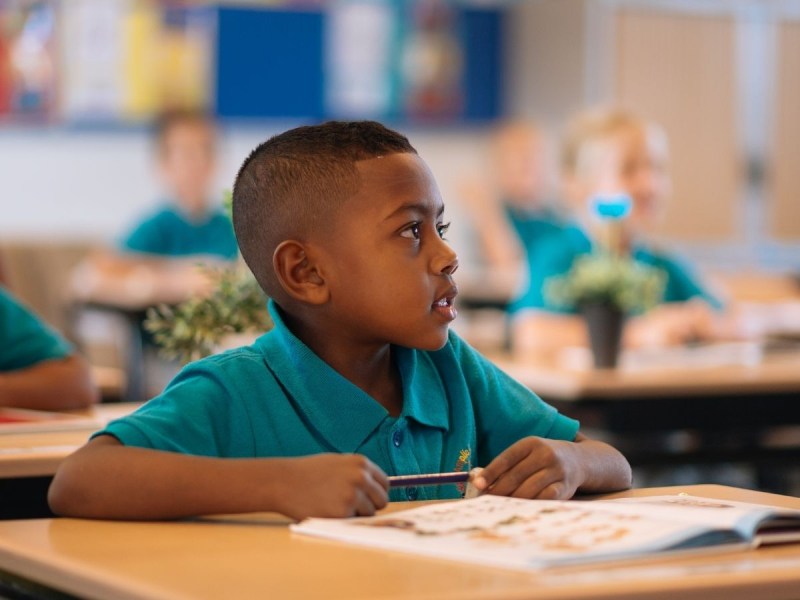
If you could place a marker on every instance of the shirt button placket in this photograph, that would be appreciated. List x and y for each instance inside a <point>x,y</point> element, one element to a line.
<point>397,438</point>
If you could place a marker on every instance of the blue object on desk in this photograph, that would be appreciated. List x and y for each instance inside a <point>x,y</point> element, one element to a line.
<point>611,206</point>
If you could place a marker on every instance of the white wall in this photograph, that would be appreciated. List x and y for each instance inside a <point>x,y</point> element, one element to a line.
<point>82,184</point>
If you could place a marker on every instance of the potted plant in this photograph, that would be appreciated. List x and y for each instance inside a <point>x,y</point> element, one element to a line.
<point>201,326</point>
<point>606,288</point>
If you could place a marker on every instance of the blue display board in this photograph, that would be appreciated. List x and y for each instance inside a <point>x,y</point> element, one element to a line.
<point>272,63</point>
<point>269,63</point>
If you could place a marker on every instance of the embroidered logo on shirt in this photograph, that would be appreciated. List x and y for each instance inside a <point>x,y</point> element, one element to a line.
<point>461,463</point>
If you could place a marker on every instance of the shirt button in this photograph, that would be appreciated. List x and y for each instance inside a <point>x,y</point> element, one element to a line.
<point>412,493</point>
<point>397,438</point>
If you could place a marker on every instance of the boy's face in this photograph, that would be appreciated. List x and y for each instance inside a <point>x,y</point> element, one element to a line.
<point>633,162</point>
<point>388,269</point>
<point>519,166</point>
<point>188,161</point>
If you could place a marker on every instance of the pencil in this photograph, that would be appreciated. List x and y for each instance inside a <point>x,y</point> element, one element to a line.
<point>428,479</point>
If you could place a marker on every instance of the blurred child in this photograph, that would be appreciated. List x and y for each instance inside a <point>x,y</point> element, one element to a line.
<point>511,212</point>
<point>612,151</point>
<point>157,261</point>
<point>38,368</point>
<point>343,226</point>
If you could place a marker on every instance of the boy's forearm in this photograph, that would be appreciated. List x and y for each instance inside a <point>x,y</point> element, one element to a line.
<point>106,480</point>
<point>59,384</point>
<point>605,468</point>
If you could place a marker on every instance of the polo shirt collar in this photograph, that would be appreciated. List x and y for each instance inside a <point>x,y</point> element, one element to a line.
<point>337,409</point>
<point>423,390</point>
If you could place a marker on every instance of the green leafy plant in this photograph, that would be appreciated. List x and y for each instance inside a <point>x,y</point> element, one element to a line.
<point>196,327</point>
<point>604,278</point>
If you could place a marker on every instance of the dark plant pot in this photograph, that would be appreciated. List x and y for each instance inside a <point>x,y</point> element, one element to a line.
<point>604,324</point>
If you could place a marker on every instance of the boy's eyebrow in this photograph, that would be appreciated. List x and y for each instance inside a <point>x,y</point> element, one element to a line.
<point>418,207</point>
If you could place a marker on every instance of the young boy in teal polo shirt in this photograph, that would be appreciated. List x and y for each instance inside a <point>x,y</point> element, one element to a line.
<point>188,225</point>
<point>38,368</point>
<point>342,225</point>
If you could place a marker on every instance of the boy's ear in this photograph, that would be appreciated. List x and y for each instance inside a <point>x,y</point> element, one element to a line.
<point>298,273</point>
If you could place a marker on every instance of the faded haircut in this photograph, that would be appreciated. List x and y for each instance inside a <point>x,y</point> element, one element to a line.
<point>294,184</point>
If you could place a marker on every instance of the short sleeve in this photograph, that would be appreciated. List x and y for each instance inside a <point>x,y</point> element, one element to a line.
<point>26,340</point>
<point>199,413</point>
<point>683,283</point>
<point>505,410</point>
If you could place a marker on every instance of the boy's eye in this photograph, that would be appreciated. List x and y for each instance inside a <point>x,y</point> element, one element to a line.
<point>411,232</point>
<point>442,229</point>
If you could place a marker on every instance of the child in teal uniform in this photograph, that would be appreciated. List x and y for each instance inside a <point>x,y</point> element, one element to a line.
<point>511,213</point>
<point>38,368</point>
<point>157,261</point>
<point>342,225</point>
<point>611,151</point>
<point>189,225</point>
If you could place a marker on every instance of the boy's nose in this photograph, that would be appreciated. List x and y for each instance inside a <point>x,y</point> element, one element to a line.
<point>447,263</point>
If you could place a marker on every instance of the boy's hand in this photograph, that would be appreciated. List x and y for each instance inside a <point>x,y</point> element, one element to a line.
<point>533,467</point>
<point>331,485</point>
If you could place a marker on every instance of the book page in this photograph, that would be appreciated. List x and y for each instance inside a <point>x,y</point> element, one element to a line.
<point>515,533</point>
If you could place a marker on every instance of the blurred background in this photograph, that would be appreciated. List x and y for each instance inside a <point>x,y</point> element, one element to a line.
<point>79,81</point>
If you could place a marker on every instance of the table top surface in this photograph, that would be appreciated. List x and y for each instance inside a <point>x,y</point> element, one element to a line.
<point>707,371</point>
<point>40,448</point>
<point>254,556</point>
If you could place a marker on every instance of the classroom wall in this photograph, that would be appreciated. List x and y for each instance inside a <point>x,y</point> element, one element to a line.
<point>77,185</point>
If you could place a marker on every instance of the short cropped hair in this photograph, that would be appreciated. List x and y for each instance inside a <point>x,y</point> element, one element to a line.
<point>295,182</point>
<point>598,125</point>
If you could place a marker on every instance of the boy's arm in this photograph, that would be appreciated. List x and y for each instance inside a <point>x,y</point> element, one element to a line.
<point>536,467</point>
<point>56,384</point>
<point>106,480</point>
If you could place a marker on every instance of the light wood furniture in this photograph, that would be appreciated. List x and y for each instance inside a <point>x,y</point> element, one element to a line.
<point>256,556</point>
<point>37,454</point>
<point>690,376</point>
<point>729,411</point>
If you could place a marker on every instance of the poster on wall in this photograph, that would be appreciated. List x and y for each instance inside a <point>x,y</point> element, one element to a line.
<point>27,60</point>
<point>127,60</point>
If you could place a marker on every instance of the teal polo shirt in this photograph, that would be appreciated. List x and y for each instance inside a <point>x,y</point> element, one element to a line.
<point>276,398</point>
<point>169,232</point>
<point>557,253</point>
<point>24,339</point>
<point>533,227</point>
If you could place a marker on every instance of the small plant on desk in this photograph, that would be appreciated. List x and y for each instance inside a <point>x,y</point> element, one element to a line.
<point>606,288</point>
<point>199,326</point>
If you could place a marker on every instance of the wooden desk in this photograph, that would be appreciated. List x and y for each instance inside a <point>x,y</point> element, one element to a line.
<point>40,453</point>
<point>255,556</point>
<point>733,407</point>
<point>28,461</point>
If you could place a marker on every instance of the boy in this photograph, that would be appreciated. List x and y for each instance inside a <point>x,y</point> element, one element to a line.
<point>609,151</point>
<point>157,260</point>
<point>38,369</point>
<point>342,226</point>
<point>512,214</point>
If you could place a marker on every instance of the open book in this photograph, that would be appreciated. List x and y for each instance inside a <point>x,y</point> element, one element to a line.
<point>532,534</point>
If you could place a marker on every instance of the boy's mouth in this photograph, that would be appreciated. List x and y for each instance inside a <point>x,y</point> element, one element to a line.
<point>445,305</point>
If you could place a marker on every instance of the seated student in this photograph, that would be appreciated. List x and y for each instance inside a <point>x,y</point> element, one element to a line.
<point>511,211</point>
<point>157,260</point>
<point>38,368</point>
<point>608,151</point>
<point>342,225</point>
